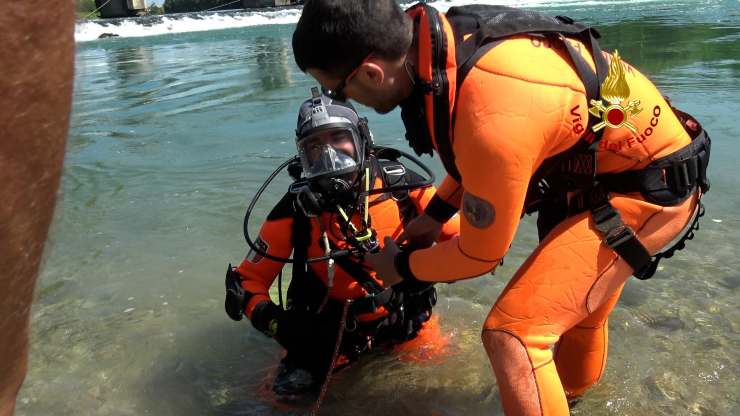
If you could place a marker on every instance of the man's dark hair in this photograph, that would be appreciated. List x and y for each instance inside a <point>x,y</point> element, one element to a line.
<point>336,35</point>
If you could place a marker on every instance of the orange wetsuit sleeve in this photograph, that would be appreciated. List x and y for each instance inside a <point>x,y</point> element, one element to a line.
<point>500,140</point>
<point>423,197</point>
<point>257,272</point>
<point>446,202</point>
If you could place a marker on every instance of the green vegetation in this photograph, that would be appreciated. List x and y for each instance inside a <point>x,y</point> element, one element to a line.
<point>83,8</point>
<point>655,47</point>
<point>182,6</point>
<point>154,9</point>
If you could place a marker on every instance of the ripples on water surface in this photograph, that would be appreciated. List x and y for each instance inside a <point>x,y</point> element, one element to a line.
<point>172,134</point>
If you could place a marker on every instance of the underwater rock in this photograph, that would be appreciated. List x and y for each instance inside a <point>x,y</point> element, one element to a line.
<point>633,295</point>
<point>667,323</point>
<point>730,282</point>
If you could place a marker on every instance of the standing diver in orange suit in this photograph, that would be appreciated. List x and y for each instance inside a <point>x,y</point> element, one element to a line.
<point>335,166</point>
<point>527,114</point>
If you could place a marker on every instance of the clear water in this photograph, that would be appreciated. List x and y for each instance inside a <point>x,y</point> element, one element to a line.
<point>172,134</point>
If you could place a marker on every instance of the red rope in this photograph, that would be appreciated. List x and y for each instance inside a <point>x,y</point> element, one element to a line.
<point>335,356</point>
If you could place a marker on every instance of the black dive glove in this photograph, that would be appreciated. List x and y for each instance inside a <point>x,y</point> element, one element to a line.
<point>266,318</point>
<point>291,329</point>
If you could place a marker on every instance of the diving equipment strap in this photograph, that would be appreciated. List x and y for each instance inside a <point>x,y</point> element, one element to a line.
<point>621,238</point>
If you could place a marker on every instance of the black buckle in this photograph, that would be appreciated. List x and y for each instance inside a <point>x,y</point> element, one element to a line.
<point>648,271</point>
<point>680,173</point>
<point>606,218</point>
<point>622,239</point>
<point>619,235</point>
<point>610,224</point>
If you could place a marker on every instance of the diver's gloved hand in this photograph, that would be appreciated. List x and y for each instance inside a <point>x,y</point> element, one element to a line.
<point>289,328</point>
<point>421,232</point>
<point>266,318</point>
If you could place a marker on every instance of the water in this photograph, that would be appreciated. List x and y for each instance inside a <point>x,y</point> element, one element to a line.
<point>172,134</point>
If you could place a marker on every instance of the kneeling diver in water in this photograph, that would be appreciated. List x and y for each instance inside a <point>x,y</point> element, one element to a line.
<point>347,196</point>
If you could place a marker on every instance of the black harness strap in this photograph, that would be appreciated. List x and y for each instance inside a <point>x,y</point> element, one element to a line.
<point>305,291</point>
<point>621,238</point>
<point>371,303</point>
<point>357,272</point>
<point>667,181</point>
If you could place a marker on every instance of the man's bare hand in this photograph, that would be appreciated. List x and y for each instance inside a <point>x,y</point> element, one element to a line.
<point>383,262</point>
<point>421,232</point>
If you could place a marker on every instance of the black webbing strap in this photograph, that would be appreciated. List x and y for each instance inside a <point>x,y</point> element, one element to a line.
<point>669,180</point>
<point>371,302</point>
<point>300,239</point>
<point>591,82</point>
<point>357,272</point>
<point>622,239</point>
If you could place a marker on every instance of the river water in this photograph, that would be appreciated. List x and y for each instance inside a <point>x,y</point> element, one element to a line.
<point>172,134</point>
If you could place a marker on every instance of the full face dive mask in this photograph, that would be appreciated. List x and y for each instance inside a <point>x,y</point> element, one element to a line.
<point>332,142</point>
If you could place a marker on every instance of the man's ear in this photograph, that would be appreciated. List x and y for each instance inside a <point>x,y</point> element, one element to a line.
<point>371,73</point>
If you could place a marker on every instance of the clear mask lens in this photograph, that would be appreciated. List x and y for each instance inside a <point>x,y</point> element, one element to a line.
<point>327,152</point>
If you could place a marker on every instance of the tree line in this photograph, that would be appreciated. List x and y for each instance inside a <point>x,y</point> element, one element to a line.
<point>87,9</point>
<point>182,6</point>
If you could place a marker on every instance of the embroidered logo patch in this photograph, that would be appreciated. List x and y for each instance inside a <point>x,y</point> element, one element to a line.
<point>255,257</point>
<point>479,212</point>
<point>615,91</point>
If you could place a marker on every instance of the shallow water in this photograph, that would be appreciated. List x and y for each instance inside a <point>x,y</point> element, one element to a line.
<point>170,137</point>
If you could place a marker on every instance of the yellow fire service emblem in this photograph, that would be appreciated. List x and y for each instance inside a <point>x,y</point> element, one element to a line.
<point>615,90</point>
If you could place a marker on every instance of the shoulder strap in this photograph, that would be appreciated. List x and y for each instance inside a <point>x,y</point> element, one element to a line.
<point>300,238</point>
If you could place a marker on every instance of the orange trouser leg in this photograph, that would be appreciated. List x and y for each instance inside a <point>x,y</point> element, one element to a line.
<point>570,279</point>
<point>580,356</point>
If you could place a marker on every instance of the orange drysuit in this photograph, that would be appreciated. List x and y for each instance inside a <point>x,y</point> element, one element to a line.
<point>258,273</point>
<point>520,104</point>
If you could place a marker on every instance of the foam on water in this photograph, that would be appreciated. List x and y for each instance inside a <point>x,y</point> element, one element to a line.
<point>180,23</point>
<point>197,22</point>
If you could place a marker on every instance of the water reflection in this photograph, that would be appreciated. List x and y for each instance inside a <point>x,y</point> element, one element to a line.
<point>129,62</point>
<point>274,62</point>
<point>656,46</point>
